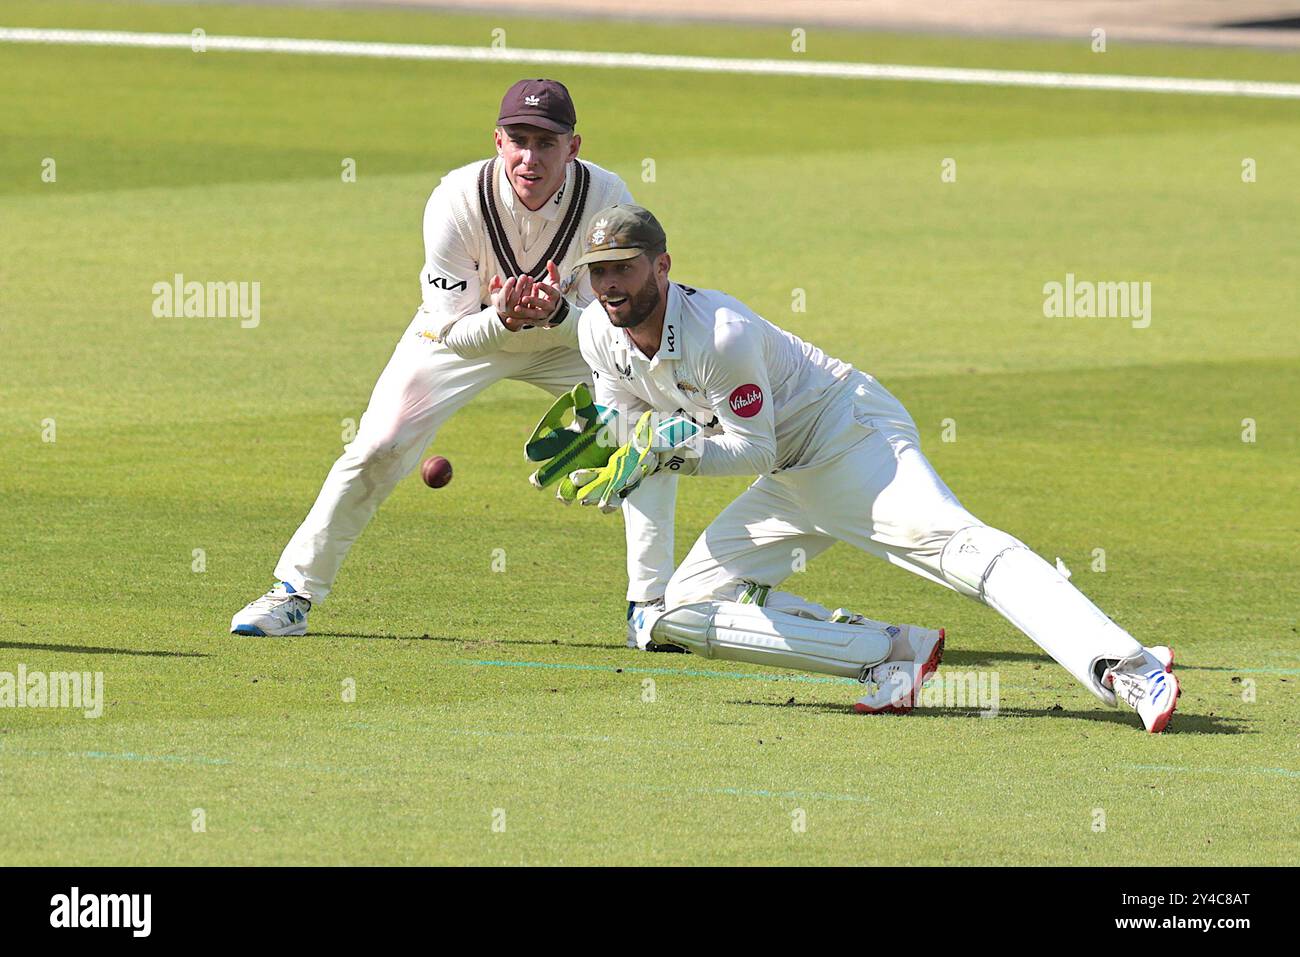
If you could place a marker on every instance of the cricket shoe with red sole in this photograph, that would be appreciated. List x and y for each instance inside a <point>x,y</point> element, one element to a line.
<point>899,682</point>
<point>1148,689</point>
<point>1164,655</point>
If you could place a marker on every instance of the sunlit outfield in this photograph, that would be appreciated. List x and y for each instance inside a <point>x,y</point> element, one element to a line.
<point>484,697</point>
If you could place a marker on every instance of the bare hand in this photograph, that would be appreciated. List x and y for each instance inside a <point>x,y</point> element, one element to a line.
<point>523,301</point>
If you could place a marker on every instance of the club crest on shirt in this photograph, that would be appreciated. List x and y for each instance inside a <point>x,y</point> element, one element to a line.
<point>746,400</point>
<point>687,387</point>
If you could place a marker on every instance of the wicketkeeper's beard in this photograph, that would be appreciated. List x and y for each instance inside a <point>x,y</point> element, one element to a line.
<point>640,305</point>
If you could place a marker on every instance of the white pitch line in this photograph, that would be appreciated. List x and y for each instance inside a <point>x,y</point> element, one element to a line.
<point>649,61</point>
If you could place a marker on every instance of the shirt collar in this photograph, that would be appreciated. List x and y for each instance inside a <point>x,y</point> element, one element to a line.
<point>551,210</point>
<point>670,341</point>
<point>670,337</point>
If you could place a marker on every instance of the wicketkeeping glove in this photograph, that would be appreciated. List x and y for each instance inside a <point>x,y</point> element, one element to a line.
<point>653,447</point>
<point>576,445</point>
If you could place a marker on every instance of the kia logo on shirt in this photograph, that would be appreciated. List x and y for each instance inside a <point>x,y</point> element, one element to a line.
<point>448,285</point>
<point>746,400</point>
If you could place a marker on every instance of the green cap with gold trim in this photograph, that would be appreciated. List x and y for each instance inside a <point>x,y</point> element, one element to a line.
<point>621,231</point>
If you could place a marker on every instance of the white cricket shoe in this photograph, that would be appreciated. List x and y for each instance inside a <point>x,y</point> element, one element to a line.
<point>641,616</point>
<point>1164,655</point>
<point>279,612</point>
<point>1149,690</point>
<point>897,682</point>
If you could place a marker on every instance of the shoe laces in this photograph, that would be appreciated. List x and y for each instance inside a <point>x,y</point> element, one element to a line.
<point>275,597</point>
<point>1133,687</point>
<point>883,673</point>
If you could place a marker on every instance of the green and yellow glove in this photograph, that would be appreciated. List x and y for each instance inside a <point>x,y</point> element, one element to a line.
<point>654,446</point>
<point>584,442</point>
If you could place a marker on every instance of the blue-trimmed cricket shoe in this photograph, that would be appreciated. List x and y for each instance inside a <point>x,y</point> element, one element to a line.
<point>641,616</point>
<point>1148,688</point>
<point>280,612</point>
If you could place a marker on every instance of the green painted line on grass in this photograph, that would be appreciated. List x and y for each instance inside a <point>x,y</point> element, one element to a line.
<point>1281,772</point>
<point>691,672</point>
<point>755,676</point>
<point>121,756</point>
<point>795,795</point>
<point>204,760</point>
<point>758,792</point>
<point>684,672</point>
<point>199,759</point>
<point>588,738</point>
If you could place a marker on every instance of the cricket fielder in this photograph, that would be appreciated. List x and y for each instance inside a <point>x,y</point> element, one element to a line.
<point>498,237</point>
<point>715,389</point>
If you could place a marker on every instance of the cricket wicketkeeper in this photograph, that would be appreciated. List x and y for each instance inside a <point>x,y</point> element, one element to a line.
<point>715,389</point>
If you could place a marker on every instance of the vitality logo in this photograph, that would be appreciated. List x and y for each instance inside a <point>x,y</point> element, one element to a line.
<point>746,400</point>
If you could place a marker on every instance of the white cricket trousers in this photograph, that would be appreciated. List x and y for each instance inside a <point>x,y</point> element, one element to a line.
<point>423,384</point>
<point>880,495</point>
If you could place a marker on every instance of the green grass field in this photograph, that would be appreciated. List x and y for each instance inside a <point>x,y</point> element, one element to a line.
<point>478,692</point>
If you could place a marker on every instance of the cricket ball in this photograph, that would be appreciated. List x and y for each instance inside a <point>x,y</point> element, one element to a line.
<point>436,471</point>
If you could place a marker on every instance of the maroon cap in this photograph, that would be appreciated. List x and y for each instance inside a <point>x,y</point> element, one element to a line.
<point>544,103</point>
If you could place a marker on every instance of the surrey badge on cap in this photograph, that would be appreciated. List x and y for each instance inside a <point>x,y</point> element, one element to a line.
<point>544,103</point>
<point>621,231</point>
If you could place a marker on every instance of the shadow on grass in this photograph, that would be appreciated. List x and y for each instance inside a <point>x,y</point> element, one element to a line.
<point>539,643</point>
<point>89,650</point>
<point>955,656</point>
<point>1181,723</point>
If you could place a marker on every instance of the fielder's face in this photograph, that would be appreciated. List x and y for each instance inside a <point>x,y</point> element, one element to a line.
<point>630,289</point>
<point>535,160</point>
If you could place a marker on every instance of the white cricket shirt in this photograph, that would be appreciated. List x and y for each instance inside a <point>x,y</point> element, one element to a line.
<point>771,400</point>
<point>475,227</point>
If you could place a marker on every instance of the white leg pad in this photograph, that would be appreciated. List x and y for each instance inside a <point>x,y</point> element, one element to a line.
<point>752,593</point>
<point>790,604</point>
<point>763,636</point>
<point>999,570</point>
